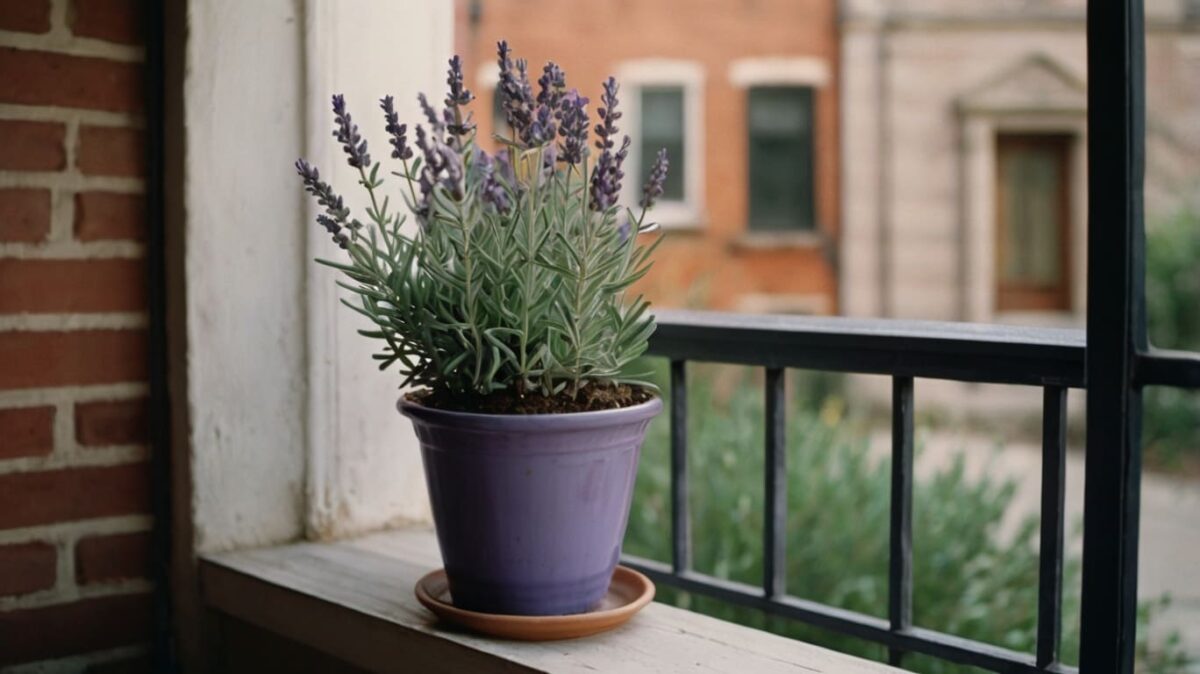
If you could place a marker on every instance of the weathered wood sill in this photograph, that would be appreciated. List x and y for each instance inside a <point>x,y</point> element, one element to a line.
<point>353,600</point>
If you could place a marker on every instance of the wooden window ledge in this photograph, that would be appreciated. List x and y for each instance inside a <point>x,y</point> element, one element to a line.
<point>354,600</point>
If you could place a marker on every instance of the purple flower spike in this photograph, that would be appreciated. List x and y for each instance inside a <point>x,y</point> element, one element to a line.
<point>551,85</point>
<point>334,217</point>
<point>458,123</point>
<point>491,190</point>
<point>653,188</point>
<point>607,129</point>
<point>435,121</point>
<point>543,128</point>
<point>606,177</point>
<point>516,96</point>
<point>347,134</point>
<point>398,132</point>
<point>573,127</point>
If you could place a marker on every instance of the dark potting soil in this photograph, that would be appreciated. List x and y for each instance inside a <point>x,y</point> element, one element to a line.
<point>589,399</point>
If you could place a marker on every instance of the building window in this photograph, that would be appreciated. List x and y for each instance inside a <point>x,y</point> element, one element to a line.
<point>780,120</point>
<point>1033,215</point>
<point>666,110</point>
<point>662,118</point>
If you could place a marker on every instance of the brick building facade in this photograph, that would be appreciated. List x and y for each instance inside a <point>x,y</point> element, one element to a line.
<point>777,54</point>
<point>74,467</point>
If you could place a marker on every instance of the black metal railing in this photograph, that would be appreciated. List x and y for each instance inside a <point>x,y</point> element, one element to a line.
<point>1053,359</point>
<point>904,350</point>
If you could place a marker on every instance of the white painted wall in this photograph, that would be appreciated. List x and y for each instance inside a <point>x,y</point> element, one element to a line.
<point>293,430</point>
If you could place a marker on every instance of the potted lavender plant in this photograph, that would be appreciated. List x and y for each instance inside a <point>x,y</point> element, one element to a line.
<point>508,306</point>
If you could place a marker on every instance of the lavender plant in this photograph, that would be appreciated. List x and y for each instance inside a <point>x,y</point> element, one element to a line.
<point>518,275</point>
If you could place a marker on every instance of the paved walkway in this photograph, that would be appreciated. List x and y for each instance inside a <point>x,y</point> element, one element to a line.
<point>1169,559</point>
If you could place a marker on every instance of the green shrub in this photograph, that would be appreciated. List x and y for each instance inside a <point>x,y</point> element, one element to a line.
<point>1171,427</point>
<point>968,579</point>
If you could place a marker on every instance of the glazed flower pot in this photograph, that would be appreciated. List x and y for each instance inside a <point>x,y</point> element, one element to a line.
<point>530,510</point>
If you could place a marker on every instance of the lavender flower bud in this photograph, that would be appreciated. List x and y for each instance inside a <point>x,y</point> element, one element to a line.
<point>516,96</point>
<point>459,94</point>
<point>326,197</point>
<point>543,128</point>
<point>608,113</point>
<point>573,127</point>
<point>490,189</point>
<point>435,121</point>
<point>606,177</point>
<point>347,134</point>
<point>334,217</point>
<point>397,131</point>
<point>551,85</point>
<point>653,188</point>
<point>458,123</point>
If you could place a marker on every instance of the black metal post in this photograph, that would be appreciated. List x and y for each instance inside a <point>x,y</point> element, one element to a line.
<point>1115,333</point>
<point>1050,555</point>
<point>900,557</point>
<point>162,654</point>
<point>775,486</point>
<point>681,529</point>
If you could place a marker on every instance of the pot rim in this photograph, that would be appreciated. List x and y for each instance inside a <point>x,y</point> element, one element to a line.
<point>557,421</point>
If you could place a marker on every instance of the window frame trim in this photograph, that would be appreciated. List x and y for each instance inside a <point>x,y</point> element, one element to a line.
<point>637,74</point>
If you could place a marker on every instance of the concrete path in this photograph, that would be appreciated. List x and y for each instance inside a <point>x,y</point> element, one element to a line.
<point>1169,558</point>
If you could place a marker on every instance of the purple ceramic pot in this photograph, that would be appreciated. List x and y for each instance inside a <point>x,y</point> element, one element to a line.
<point>530,509</point>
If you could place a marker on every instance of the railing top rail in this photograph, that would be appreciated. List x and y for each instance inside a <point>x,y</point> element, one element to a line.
<point>998,354</point>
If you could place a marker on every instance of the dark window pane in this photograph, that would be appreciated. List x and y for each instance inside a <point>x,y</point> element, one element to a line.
<point>662,127</point>
<point>780,121</point>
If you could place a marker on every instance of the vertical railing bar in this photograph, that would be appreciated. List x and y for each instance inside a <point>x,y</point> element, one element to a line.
<point>1050,555</point>
<point>681,529</point>
<point>775,486</point>
<point>900,549</point>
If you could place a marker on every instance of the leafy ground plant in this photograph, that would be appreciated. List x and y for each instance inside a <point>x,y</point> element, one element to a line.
<point>1171,426</point>
<point>970,580</point>
<point>515,280</point>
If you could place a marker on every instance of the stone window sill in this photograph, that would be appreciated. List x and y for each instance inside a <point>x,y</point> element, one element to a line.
<point>354,600</point>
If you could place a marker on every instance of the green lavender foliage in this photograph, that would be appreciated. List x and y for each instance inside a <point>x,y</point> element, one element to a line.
<point>512,278</point>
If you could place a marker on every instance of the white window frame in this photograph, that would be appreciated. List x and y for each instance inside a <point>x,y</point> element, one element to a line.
<point>689,75</point>
<point>807,71</point>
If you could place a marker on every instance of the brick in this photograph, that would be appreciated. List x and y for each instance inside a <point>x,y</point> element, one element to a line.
<point>111,20</point>
<point>26,16</point>
<point>101,559</point>
<point>78,357</point>
<point>24,215</point>
<point>32,146</point>
<point>27,567</point>
<point>32,77</point>
<point>78,627</point>
<point>72,286</point>
<point>111,151</point>
<point>118,422</point>
<point>68,494</point>
<point>26,431</point>
<point>103,216</point>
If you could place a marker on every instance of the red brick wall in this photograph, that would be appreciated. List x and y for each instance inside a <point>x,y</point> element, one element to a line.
<point>74,471</point>
<point>709,266</point>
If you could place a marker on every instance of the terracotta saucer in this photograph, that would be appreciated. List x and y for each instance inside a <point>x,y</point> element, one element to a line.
<point>629,592</point>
